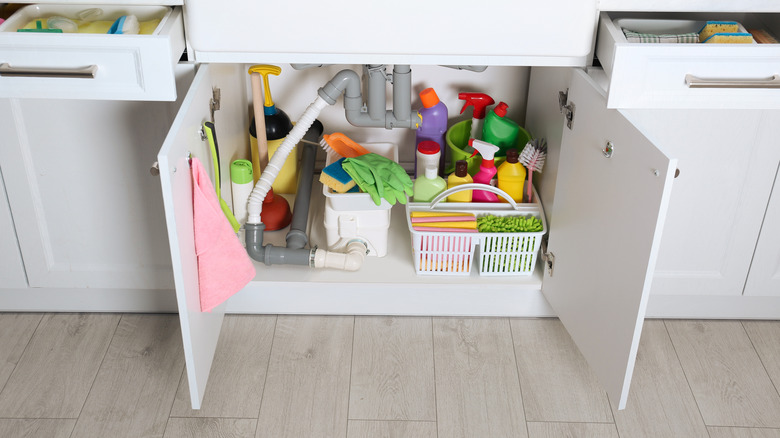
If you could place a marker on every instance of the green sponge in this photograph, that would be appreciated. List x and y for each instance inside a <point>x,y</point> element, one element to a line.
<point>334,177</point>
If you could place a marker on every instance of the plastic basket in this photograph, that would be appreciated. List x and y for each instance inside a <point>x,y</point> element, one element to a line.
<point>453,253</point>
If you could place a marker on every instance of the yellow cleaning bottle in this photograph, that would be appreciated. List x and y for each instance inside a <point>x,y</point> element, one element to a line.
<point>460,176</point>
<point>511,176</point>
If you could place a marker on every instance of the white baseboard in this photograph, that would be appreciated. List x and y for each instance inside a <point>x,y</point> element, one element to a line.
<point>356,299</point>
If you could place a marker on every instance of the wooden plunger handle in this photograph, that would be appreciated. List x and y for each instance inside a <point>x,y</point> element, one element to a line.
<point>257,105</point>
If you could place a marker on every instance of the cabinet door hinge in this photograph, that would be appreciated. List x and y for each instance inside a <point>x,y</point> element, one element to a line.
<point>216,95</point>
<point>567,108</point>
<point>547,257</point>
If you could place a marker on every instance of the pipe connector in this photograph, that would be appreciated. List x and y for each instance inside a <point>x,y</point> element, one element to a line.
<point>346,81</point>
<point>352,260</point>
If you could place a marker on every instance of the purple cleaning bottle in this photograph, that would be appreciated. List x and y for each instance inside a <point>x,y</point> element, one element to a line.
<point>434,122</point>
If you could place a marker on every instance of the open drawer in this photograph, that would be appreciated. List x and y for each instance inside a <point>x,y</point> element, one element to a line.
<point>91,65</point>
<point>670,75</point>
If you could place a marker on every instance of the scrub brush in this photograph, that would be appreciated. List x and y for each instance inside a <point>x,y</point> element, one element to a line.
<point>342,145</point>
<point>532,157</point>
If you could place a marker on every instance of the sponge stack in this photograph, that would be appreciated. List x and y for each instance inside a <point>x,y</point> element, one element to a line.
<point>724,32</point>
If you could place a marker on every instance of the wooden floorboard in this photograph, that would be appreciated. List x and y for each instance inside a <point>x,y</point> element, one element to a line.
<point>100,375</point>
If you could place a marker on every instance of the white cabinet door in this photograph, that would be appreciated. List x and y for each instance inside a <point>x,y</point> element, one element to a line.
<point>604,234</point>
<point>764,277</point>
<point>11,265</point>
<point>87,211</point>
<point>200,331</point>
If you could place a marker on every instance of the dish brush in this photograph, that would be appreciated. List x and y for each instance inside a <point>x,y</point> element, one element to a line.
<point>342,145</point>
<point>533,156</point>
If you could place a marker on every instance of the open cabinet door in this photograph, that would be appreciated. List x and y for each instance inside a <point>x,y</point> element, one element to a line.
<point>605,233</point>
<point>200,331</point>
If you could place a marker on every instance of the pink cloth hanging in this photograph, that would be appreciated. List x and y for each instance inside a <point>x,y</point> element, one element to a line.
<point>224,267</point>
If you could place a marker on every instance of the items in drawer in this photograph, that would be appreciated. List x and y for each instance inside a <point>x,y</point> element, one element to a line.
<point>683,31</point>
<point>143,20</point>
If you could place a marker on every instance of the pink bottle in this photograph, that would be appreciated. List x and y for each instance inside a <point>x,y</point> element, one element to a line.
<point>487,170</point>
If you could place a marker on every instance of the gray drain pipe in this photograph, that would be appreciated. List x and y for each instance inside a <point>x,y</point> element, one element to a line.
<point>294,253</point>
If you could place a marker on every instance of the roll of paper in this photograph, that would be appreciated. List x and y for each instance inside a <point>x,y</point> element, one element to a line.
<point>241,185</point>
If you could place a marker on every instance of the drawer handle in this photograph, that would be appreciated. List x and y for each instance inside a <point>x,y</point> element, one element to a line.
<point>693,82</point>
<point>38,72</point>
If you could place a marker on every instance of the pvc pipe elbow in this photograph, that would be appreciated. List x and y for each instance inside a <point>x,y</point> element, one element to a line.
<point>352,260</point>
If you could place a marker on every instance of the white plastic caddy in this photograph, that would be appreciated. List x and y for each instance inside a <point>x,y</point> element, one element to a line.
<point>452,253</point>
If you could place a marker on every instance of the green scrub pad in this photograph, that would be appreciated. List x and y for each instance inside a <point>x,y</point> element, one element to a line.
<point>336,178</point>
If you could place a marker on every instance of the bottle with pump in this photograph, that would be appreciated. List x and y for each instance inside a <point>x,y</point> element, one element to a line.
<point>500,130</point>
<point>429,185</point>
<point>434,122</point>
<point>511,175</point>
<point>460,176</point>
<point>487,170</point>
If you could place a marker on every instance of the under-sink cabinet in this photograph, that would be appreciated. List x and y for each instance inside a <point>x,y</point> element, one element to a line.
<point>660,197</point>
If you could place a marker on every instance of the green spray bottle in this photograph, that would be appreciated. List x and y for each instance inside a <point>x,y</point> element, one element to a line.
<point>499,130</point>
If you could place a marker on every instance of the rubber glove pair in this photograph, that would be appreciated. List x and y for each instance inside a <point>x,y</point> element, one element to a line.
<point>380,177</point>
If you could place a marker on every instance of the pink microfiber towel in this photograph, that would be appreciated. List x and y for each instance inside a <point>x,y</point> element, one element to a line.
<point>224,267</point>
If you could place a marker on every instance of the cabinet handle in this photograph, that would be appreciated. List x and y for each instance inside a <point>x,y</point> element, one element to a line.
<point>39,72</point>
<point>694,82</point>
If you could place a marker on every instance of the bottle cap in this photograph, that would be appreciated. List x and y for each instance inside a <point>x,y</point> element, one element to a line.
<point>428,147</point>
<point>431,172</point>
<point>500,109</point>
<point>241,171</point>
<point>461,168</point>
<point>512,156</point>
<point>429,97</point>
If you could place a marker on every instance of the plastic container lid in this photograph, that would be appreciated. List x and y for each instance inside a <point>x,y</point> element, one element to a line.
<point>512,156</point>
<point>431,172</point>
<point>241,171</point>
<point>428,147</point>
<point>500,109</point>
<point>429,97</point>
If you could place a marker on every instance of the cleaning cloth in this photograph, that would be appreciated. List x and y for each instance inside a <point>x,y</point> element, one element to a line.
<point>683,38</point>
<point>224,267</point>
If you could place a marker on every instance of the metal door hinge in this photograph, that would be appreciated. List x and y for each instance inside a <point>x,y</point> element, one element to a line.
<point>216,95</point>
<point>547,257</point>
<point>567,109</point>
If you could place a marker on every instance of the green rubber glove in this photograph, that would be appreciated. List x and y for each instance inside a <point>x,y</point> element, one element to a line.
<point>380,177</point>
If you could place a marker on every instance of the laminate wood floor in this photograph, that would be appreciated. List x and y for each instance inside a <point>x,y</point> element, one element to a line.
<point>107,375</point>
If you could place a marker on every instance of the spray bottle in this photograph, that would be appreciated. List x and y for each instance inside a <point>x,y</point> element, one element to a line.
<point>480,102</point>
<point>277,126</point>
<point>500,130</point>
<point>487,170</point>
<point>434,122</point>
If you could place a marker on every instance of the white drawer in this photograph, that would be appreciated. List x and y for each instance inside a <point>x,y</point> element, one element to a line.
<point>430,32</point>
<point>645,75</point>
<point>91,66</point>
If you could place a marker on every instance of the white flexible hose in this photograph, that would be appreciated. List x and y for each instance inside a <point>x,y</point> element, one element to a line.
<point>255,203</point>
<point>352,260</point>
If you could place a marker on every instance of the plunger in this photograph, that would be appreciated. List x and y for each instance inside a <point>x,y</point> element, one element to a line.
<point>276,212</point>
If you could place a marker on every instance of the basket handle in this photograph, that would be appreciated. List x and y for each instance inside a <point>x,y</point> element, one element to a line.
<point>473,186</point>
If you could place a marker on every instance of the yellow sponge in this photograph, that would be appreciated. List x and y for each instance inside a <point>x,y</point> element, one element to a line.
<point>713,27</point>
<point>335,177</point>
<point>730,38</point>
